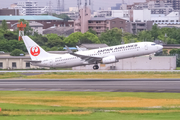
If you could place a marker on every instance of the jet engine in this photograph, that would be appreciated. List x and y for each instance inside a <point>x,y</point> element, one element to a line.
<point>109,59</point>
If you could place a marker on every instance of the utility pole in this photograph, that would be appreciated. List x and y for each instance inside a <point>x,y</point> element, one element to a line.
<point>92,6</point>
<point>58,6</point>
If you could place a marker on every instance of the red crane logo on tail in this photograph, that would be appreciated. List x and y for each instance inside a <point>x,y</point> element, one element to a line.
<point>35,51</point>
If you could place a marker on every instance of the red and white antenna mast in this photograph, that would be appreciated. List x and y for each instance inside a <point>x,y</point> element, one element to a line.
<point>21,27</point>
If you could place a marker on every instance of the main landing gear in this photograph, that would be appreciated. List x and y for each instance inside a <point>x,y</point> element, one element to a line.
<point>150,57</point>
<point>95,67</point>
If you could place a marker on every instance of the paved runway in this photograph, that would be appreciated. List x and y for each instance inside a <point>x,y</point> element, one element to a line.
<point>108,85</point>
<point>63,71</point>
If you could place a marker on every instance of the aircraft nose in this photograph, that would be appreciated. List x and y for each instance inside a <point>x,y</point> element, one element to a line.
<point>160,47</point>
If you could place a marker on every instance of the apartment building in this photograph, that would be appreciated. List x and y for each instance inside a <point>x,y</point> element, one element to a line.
<point>135,27</point>
<point>81,24</point>
<point>30,8</point>
<point>102,24</point>
<point>156,6</point>
<point>131,21</point>
<point>9,12</point>
<point>46,20</point>
<point>175,4</point>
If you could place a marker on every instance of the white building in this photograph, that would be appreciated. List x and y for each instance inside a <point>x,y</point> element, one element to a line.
<point>37,27</point>
<point>141,15</point>
<point>124,14</point>
<point>73,9</point>
<point>129,15</point>
<point>162,20</point>
<point>30,8</point>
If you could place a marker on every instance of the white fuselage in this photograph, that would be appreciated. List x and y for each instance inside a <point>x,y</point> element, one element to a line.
<point>120,52</point>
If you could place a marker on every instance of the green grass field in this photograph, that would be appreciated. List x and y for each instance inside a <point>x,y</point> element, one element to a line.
<point>32,105</point>
<point>93,75</point>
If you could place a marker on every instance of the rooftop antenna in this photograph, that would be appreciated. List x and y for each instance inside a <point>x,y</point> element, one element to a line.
<point>58,6</point>
<point>92,5</point>
<point>122,1</point>
<point>85,5</point>
<point>78,4</point>
<point>63,5</point>
<point>85,2</point>
<point>50,9</point>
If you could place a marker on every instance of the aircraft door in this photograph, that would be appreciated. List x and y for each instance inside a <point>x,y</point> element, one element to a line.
<point>146,46</point>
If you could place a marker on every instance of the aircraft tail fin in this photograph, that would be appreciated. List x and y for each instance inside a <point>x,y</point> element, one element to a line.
<point>34,50</point>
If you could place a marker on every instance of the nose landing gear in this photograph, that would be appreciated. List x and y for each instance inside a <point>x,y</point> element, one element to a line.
<point>95,67</point>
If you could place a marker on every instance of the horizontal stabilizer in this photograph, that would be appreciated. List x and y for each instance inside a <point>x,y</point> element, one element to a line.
<point>33,61</point>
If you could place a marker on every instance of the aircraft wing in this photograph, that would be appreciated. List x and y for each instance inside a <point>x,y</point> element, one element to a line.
<point>84,57</point>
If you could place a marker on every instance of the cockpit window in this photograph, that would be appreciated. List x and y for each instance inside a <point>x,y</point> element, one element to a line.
<point>153,44</point>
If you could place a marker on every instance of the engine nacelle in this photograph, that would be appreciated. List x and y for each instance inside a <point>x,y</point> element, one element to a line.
<point>108,60</point>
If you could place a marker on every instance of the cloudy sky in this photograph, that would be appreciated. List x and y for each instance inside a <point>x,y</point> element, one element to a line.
<point>70,3</point>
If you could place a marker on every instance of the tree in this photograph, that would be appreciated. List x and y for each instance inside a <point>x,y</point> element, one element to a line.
<point>79,38</point>
<point>54,40</point>
<point>130,38</point>
<point>173,51</point>
<point>155,31</point>
<point>39,39</point>
<point>92,31</point>
<point>145,36</point>
<point>9,35</point>
<point>4,25</point>
<point>15,44</point>
<point>89,38</point>
<point>111,37</point>
<point>5,46</point>
<point>17,52</point>
<point>62,16</point>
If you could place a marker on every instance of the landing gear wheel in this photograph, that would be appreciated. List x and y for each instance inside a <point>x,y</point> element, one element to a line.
<point>150,58</point>
<point>95,67</point>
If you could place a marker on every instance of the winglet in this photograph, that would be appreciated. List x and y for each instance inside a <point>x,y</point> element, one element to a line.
<point>79,49</point>
<point>67,48</point>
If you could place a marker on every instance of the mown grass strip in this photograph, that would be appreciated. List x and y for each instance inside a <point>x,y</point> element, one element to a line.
<point>42,113</point>
<point>149,111</point>
<point>91,99</point>
<point>10,75</point>
<point>105,75</point>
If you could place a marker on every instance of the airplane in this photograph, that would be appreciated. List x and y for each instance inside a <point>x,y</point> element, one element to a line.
<point>107,55</point>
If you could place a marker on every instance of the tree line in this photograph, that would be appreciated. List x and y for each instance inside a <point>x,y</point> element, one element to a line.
<point>52,42</point>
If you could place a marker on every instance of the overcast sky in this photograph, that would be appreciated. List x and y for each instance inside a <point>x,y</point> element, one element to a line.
<point>70,3</point>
